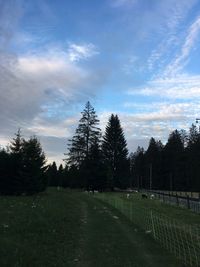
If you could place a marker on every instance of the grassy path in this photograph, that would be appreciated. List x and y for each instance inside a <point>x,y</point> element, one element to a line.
<point>111,240</point>
<point>72,229</point>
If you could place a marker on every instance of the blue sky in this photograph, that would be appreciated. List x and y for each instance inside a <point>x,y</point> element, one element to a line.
<point>137,58</point>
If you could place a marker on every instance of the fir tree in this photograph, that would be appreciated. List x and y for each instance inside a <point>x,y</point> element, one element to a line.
<point>96,172</point>
<point>137,164</point>
<point>34,161</point>
<point>60,175</point>
<point>86,134</point>
<point>16,163</point>
<point>52,174</point>
<point>6,173</point>
<point>193,159</point>
<point>174,161</point>
<point>153,158</point>
<point>115,152</point>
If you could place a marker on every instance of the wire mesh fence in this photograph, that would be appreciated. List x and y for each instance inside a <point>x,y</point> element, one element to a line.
<point>182,201</point>
<point>180,239</point>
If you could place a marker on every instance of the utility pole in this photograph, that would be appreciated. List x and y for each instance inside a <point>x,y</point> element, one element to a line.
<point>171,182</point>
<point>150,176</point>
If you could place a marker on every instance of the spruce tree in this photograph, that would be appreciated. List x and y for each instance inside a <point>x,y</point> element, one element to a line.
<point>193,159</point>
<point>115,152</point>
<point>174,162</point>
<point>60,175</point>
<point>16,164</point>
<point>34,179</point>
<point>6,173</point>
<point>137,167</point>
<point>153,158</point>
<point>95,168</point>
<point>85,136</point>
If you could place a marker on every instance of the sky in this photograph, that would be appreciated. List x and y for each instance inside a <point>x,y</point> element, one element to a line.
<point>135,58</point>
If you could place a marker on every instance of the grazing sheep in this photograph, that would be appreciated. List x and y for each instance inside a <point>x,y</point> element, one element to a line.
<point>144,196</point>
<point>127,196</point>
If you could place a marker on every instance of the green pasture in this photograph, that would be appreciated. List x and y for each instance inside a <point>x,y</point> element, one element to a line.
<point>71,228</point>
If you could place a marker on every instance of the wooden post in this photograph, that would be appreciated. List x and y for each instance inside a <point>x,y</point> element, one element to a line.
<point>188,202</point>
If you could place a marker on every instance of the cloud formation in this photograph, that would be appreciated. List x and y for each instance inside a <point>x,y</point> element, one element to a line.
<point>182,59</point>
<point>77,52</point>
<point>178,87</point>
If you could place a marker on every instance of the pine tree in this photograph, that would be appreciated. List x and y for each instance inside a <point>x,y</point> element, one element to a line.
<point>153,157</point>
<point>96,172</point>
<point>137,164</point>
<point>86,134</point>
<point>193,159</point>
<point>115,152</point>
<point>174,162</point>
<point>65,181</point>
<point>60,175</point>
<point>34,179</point>
<point>52,174</point>
<point>16,163</point>
<point>6,173</point>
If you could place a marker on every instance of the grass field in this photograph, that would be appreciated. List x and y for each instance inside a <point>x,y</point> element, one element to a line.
<point>65,228</point>
<point>178,213</point>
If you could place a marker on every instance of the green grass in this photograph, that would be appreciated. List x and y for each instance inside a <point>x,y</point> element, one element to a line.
<point>65,228</point>
<point>181,214</point>
<point>174,228</point>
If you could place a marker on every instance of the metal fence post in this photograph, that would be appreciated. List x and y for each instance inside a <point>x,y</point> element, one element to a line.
<point>188,202</point>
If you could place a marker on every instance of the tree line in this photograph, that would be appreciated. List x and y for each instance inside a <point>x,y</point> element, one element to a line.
<point>101,161</point>
<point>174,166</point>
<point>22,167</point>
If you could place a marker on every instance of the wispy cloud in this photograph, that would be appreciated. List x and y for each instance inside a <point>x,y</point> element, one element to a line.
<point>171,82</point>
<point>178,87</point>
<point>182,59</point>
<point>147,120</point>
<point>76,52</point>
<point>44,84</point>
<point>174,14</point>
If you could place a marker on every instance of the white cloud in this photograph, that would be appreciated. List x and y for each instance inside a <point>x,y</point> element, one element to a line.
<point>41,87</point>
<point>179,87</point>
<point>77,52</point>
<point>152,120</point>
<point>173,15</point>
<point>145,120</point>
<point>182,59</point>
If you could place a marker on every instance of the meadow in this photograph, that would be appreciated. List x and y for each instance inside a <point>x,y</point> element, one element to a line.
<point>72,228</point>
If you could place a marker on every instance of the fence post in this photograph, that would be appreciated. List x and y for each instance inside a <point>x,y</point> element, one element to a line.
<point>188,202</point>
<point>163,197</point>
<point>153,227</point>
<point>177,200</point>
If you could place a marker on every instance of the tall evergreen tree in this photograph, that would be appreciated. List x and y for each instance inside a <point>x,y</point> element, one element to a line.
<point>86,135</point>
<point>34,161</point>
<point>6,173</point>
<point>153,158</point>
<point>174,161</point>
<point>52,174</point>
<point>115,152</point>
<point>137,165</point>
<point>193,159</point>
<point>16,161</point>
<point>60,175</point>
<point>95,168</point>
